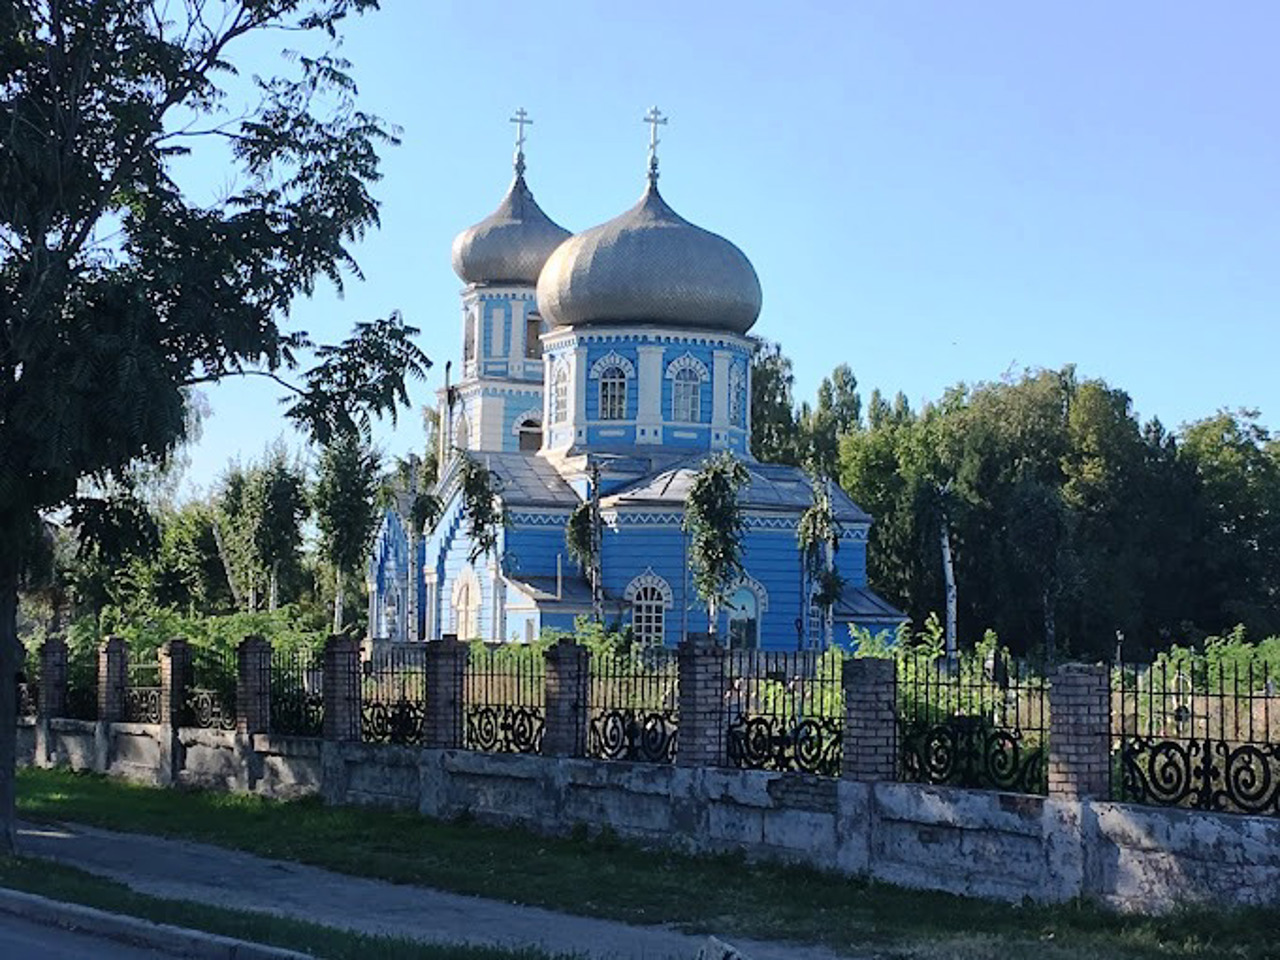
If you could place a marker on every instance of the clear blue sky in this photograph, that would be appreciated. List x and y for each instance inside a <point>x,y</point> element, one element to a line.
<point>931,192</point>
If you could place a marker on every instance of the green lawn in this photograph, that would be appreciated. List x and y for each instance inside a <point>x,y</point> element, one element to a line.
<point>605,877</point>
<point>58,882</point>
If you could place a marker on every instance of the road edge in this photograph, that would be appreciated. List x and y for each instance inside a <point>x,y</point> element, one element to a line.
<point>135,931</point>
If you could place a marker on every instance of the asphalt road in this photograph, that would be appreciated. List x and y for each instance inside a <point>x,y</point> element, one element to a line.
<point>21,940</point>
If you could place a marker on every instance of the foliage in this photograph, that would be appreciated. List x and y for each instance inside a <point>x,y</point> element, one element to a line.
<point>287,627</point>
<point>713,518</point>
<point>819,535</point>
<point>345,500</point>
<point>407,488</point>
<point>119,293</point>
<point>480,505</point>
<point>773,418</point>
<point>579,537</point>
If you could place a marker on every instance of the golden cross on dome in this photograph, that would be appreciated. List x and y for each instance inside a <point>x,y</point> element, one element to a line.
<point>521,120</point>
<point>654,119</point>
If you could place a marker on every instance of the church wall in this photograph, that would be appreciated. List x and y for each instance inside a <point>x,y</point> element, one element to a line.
<point>532,550</point>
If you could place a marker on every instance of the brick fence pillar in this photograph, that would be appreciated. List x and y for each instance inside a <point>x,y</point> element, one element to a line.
<point>175,674</point>
<point>113,668</point>
<point>342,688</point>
<point>446,661</point>
<point>53,678</point>
<point>567,684</point>
<point>870,744</point>
<point>253,685</point>
<point>1080,732</point>
<point>700,742</point>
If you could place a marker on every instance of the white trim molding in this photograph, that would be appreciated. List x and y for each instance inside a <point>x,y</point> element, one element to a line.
<point>650,579</point>
<point>688,362</point>
<point>612,359</point>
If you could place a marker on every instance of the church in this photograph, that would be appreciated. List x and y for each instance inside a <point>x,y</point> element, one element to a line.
<point>605,366</point>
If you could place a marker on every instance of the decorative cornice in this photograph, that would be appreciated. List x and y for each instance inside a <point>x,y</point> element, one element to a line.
<point>612,359</point>
<point>649,579</point>
<point>687,362</point>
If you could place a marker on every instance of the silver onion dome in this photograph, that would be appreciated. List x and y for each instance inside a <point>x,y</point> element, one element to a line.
<point>649,265</point>
<point>512,243</point>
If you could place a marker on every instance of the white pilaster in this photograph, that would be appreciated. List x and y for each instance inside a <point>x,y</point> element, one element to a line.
<point>649,394</point>
<point>720,398</point>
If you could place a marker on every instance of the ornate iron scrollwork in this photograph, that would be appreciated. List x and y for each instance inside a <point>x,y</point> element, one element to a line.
<point>142,705</point>
<point>209,709</point>
<point>812,745</point>
<point>400,721</point>
<point>1202,774</point>
<point>296,711</point>
<point>626,734</point>
<point>969,752</point>
<point>504,729</point>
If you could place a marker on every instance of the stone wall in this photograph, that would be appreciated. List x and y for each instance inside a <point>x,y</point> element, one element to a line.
<point>1005,846</point>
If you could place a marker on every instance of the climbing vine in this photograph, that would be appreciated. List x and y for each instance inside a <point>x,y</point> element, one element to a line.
<point>714,521</point>
<point>579,537</point>
<point>819,536</point>
<point>485,516</point>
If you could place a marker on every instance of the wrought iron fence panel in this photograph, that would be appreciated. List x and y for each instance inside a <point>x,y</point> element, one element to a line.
<point>1190,733</point>
<point>393,702</point>
<point>142,693</point>
<point>785,710</point>
<point>978,721</point>
<point>297,692</point>
<point>209,697</point>
<point>29,685</point>
<point>633,705</point>
<point>504,692</point>
<point>82,684</point>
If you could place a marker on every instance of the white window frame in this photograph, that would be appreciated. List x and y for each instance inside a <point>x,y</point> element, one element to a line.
<point>613,394</point>
<point>560,393</point>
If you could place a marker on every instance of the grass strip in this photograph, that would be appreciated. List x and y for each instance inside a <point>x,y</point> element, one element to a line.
<point>69,885</point>
<point>606,877</point>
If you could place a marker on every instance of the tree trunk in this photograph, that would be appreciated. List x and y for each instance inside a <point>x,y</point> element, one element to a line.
<point>337,603</point>
<point>8,697</point>
<point>226,565</point>
<point>273,599</point>
<point>949,576</point>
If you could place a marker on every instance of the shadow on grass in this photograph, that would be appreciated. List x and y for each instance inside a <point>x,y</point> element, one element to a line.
<point>610,878</point>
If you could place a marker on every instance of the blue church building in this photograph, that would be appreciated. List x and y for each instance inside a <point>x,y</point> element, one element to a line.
<point>607,364</point>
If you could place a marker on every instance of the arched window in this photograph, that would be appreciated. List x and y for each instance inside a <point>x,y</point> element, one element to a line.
<point>649,596</point>
<point>532,335</point>
<point>737,396</point>
<point>531,435</point>
<point>648,611</point>
<point>469,337</point>
<point>462,433</point>
<point>466,606</point>
<point>744,619</point>
<point>613,394</point>
<point>560,394</point>
<point>686,396</point>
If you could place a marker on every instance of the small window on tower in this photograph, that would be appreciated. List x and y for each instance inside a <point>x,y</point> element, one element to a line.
<point>531,436</point>
<point>532,337</point>
<point>560,394</point>
<point>686,396</point>
<point>613,394</point>
<point>469,338</point>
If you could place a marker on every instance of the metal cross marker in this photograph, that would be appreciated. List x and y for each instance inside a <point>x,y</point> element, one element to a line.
<point>654,119</point>
<point>521,119</point>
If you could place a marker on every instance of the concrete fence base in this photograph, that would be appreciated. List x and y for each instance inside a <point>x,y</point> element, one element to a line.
<point>977,843</point>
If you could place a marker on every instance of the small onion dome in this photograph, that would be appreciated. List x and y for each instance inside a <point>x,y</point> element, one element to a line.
<point>649,265</point>
<point>511,244</point>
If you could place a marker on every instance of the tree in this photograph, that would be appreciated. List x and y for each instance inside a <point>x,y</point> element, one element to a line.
<point>346,508</point>
<point>119,293</point>
<point>277,507</point>
<point>839,410</point>
<point>480,505</point>
<point>818,533</point>
<point>773,418</point>
<point>713,518</point>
